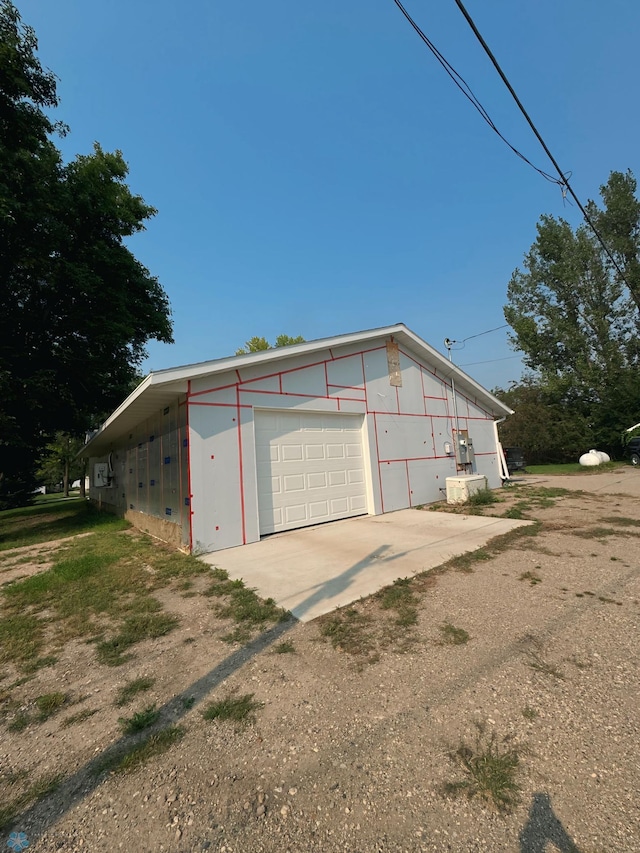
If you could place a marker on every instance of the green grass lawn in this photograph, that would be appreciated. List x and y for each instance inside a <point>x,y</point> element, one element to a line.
<point>572,468</point>
<point>52,518</point>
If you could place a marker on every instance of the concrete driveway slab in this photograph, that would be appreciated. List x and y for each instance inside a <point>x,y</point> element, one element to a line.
<point>316,569</point>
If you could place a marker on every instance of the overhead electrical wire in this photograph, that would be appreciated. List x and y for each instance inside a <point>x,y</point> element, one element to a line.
<point>448,342</point>
<point>563,178</point>
<point>466,90</point>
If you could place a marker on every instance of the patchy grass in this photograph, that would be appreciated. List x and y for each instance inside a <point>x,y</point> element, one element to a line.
<point>131,689</point>
<point>16,800</point>
<point>21,639</point>
<point>489,774</point>
<point>620,520</point>
<point>530,713</point>
<point>399,597</point>
<point>286,647</point>
<point>140,720</point>
<point>124,761</point>
<point>348,630</point>
<point>97,584</point>
<point>466,562</point>
<point>600,533</point>
<point>20,722</point>
<point>452,636</point>
<point>531,577</point>
<point>144,626</point>
<point>80,717</point>
<point>240,709</point>
<point>49,704</point>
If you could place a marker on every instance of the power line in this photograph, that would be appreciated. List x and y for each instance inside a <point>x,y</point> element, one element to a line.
<point>480,334</point>
<point>564,180</point>
<point>466,90</point>
<point>489,361</point>
<point>448,342</point>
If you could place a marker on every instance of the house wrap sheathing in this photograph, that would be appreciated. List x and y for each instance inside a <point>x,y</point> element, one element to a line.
<point>217,454</point>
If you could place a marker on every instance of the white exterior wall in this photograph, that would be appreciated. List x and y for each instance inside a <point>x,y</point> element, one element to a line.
<point>404,433</point>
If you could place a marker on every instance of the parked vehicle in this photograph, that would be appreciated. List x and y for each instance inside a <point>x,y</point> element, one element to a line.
<point>515,459</point>
<point>633,450</point>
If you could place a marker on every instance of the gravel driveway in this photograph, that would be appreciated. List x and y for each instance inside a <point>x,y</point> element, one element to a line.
<point>368,716</point>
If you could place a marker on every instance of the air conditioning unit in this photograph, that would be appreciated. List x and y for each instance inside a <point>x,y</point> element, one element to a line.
<point>460,489</point>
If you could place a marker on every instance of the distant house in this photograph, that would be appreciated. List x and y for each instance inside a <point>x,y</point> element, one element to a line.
<point>220,453</point>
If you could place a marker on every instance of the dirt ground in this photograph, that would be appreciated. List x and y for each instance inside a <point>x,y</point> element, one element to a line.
<point>356,741</point>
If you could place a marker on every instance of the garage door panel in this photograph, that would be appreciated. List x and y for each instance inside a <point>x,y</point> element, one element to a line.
<point>291,452</point>
<point>296,514</point>
<point>319,510</point>
<point>317,480</point>
<point>310,468</point>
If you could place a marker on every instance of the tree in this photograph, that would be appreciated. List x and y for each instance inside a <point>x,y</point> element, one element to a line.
<point>60,463</point>
<point>542,425</point>
<point>575,319</point>
<point>256,344</point>
<point>76,306</point>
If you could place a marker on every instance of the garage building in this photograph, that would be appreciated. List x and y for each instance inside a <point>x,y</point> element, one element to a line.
<point>217,454</point>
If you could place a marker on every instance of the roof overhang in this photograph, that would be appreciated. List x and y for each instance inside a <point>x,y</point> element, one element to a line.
<point>164,387</point>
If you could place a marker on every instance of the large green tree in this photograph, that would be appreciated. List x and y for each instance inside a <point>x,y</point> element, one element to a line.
<point>576,318</point>
<point>76,306</point>
<point>543,425</point>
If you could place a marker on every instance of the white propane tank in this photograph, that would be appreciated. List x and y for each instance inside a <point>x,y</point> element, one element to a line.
<point>590,459</point>
<point>604,457</point>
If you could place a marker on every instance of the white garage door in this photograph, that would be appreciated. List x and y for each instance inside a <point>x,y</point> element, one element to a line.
<point>310,468</point>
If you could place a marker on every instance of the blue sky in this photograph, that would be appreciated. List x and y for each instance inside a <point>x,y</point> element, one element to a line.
<point>316,172</point>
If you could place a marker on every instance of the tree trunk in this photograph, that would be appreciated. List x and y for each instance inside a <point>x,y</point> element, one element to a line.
<point>65,478</point>
<point>83,478</point>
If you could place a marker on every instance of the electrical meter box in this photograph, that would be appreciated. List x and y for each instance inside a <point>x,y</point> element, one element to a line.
<point>460,489</point>
<point>101,476</point>
<point>464,450</point>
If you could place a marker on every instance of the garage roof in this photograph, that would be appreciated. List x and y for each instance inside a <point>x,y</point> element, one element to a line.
<point>162,387</point>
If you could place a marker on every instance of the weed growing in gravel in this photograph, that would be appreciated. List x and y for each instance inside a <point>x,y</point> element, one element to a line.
<point>517,511</point>
<point>483,497</point>
<point>601,533</point>
<point>466,562</point>
<point>240,709</point>
<point>140,720</point>
<point>621,520</point>
<point>400,598</point>
<point>529,713</point>
<point>154,744</point>
<point>20,722</point>
<point>349,631</point>
<point>130,690</point>
<point>452,636</point>
<point>490,774</point>
<point>145,626</point>
<point>286,647</point>
<point>537,662</point>
<point>80,717</point>
<point>49,704</point>
<point>531,577</point>
<point>13,805</point>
